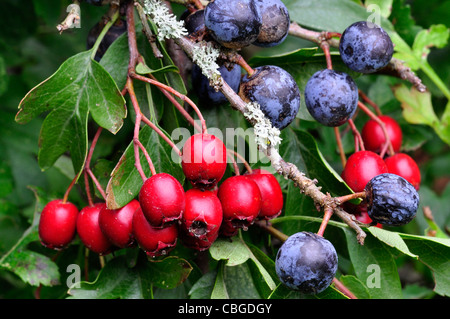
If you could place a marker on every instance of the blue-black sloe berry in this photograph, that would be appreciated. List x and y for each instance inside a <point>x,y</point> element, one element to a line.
<point>275,90</point>
<point>365,47</point>
<point>275,23</point>
<point>306,262</point>
<point>233,23</point>
<point>391,200</point>
<point>331,97</point>
<point>206,93</point>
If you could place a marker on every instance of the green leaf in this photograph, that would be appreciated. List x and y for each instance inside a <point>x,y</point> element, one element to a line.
<point>118,280</point>
<point>436,36</point>
<point>355,286</point>
<point>170,272</point>
<point>32,267</point>
<point>145,69</point>
<point>300,148</point>
<point>126,182</point>
<point>239,282</point>
<point>203,287</point>
<point>220,290</point>
<point>433,252</point>
<point>392,239</point>
<point>375,266</point>
<point>418,109</point>
<point>79,87</point>
<point>331,15</point>
<point>232,250</point>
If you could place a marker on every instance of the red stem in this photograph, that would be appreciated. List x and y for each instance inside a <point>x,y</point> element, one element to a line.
<point>370,102</point>
<point>388,144</point>
<point>72,183</point>
<point>358,139</point>
<point>340,147</point>
<point>174,92</point>
<point>328,212</point>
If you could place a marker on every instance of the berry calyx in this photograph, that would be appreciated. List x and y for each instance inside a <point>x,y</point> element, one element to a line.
<point>203,213</point>
<point>391,200</point>
<point>162,199</point>
<point>233,23</point>
<point>275,90</point>
<point>331,97</point>
<point>154,241</point>
<point>374,138</point>
<point>360,167</point>
<point>271,193</point>
<point>57,224</point>
<point>117,224</point>
<point>404,165</point>
<point>204,160</point>
<point>306,262</point>
<point>365,47</point>
<point>196,243</point>
<point>241,201</point>
<point>89,231</point>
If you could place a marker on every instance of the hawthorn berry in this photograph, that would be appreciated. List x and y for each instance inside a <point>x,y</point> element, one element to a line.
<point>233,23</point>
<point>402,164</point>
<point>271,193</point>
<point>203,213</point>
<point>306,262</point>
<point>57,224</point>
<point>275,90</point>
<point>161,198</point>
<point>360,167</point>
<point>89,231</point>
<point>196,243</point>
<point>391,200</point>
<point>117,224</point>
<point>365,47</point>
<point>331,97</point>
<point>154,241</point>
<point>204,160</point>
<point>374,138</point>
<point>241,201</point>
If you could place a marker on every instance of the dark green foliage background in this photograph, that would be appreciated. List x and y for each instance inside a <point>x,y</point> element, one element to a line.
<point>31,50</point>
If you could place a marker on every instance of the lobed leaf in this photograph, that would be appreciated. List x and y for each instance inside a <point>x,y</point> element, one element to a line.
<point>79,87</point>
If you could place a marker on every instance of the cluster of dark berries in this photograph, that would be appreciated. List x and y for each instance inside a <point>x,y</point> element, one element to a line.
<point>164,212</point>
<point>331,96</point>
<point>362,166</point>
<point>235,24</point>
<point>307,262</point>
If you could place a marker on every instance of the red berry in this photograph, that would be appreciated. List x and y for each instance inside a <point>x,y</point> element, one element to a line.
<point>361,167</point>
<point>116,224</point>
<point>403,165</point>
<point>57,224</point>
<point>364,218</point>
<point>196,243</point>
<point>162,199</point>
<point>89,231</point>
<point>241,201</point>
<point>374,138</point>
<point>204,160</point>
<point>271,193</point>
<point>203,213</point>
<point>154,241</point>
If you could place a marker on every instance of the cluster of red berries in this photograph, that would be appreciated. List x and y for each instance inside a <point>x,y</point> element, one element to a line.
<point>363,165</point>
<point>164,212</point>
